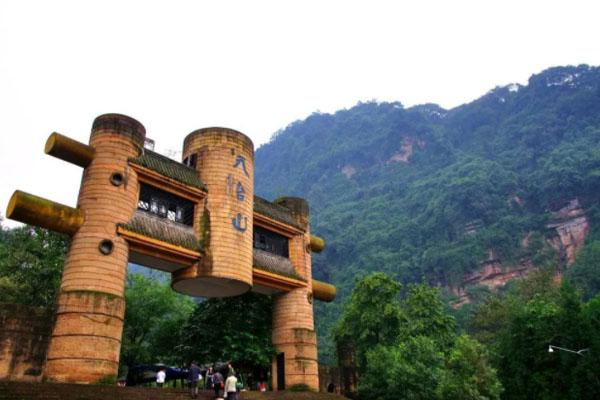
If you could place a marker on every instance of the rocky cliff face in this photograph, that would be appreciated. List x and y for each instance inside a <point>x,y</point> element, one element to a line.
<point>566,234</point>
<point>569,226</point>
<point>406,150</point>
<point>492,274</point>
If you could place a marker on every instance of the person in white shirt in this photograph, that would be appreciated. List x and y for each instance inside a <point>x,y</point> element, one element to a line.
<point>230,391</point>
<point>160,377</point>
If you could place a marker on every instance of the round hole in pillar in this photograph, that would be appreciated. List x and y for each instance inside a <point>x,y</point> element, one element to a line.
<point>309,297</point>
<point>106,247</point>
<point>116,178</point>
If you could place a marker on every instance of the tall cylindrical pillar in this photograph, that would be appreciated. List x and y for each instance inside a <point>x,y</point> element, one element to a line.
<point>294,334</point>
<point>224,159</point>
<point>86,338</point>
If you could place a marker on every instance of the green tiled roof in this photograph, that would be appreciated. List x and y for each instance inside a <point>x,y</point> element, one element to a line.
<point>169,168</point>
<point>275,211</point>
<point>164,230</point>
<point>275,264</point>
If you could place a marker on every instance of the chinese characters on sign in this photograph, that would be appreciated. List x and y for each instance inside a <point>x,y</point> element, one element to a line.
<point>239,222</point>
<point>241,162</point>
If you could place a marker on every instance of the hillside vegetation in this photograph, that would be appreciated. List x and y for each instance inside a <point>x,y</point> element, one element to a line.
<point>428,194</point>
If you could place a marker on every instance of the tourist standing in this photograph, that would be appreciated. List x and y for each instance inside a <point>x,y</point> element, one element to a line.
<point>217,384</point>
<point>193,378</point>
<point>231,387</point>
<point>209,378</point>
<point>160,377</point>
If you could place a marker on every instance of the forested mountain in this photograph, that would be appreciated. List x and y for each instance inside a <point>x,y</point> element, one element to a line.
<point>466,198</point>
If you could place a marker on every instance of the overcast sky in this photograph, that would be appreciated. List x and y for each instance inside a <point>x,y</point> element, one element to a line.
<point>254,66</point>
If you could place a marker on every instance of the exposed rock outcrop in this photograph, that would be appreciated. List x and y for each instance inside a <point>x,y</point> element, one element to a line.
<point>406,150</point>
<point>494,275</point>
<point>566,234</point>
<point>348,170</point>
<point>491,274</point>
<point>570,227</point>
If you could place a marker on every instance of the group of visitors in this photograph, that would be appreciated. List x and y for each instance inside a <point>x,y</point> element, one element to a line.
<point>224,388</point>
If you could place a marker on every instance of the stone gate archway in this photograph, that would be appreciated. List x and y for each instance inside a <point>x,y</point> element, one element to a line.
<point>198,220</point>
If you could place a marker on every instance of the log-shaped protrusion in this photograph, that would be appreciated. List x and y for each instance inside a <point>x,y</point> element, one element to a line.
<point>323,291</point>
<point>37,211</point>
<point>317,244</point>
<point>69,150</point>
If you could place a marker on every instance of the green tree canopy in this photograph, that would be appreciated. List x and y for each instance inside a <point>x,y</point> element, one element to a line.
<point>425,316</point>
<point>468,374</point>
<point>518,329</point>
<point>372,317</point>
<point>31,264</point>
<point>585,271</point>
<point>154,315</point>
<point>235,329</point>
<point>411,369</point>
<point>420,357</point>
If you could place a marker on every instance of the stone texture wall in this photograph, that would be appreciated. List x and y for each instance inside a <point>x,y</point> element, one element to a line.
<point>348,371</point>
<point>24,335</point>
<point>329,379</point>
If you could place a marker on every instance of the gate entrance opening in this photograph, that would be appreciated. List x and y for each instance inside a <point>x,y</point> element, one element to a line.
<point>281,371</point>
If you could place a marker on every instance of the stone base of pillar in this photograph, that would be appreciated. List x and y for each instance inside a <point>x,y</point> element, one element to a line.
<point>295,340</point>
<point>86,340</point>
<point>300,365</point>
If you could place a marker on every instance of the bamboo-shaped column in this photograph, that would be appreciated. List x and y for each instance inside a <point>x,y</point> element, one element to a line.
<point>293,322</point>
<point>86,339</point>
<point>225,163</point>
